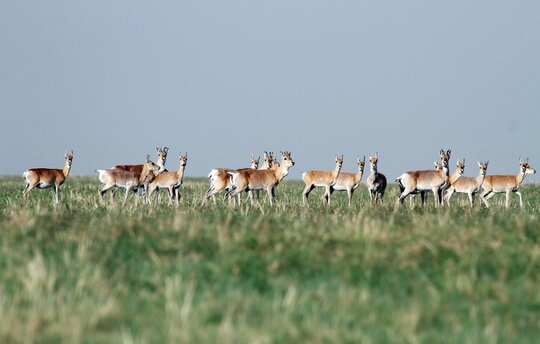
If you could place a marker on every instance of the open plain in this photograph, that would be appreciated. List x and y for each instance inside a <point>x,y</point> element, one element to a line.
<point>86,271</point>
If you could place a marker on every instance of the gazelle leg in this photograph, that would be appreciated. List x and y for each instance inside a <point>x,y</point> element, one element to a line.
<point>507,202</point>
<point>27,190</point>
<point>126,196</point>
<point>423,197</point>
<point>520,199</point>
<point>448,195</point>
<point>471,198</point>
<point>404,194</point>
<point>349,195</point>
<point>306,192</point>
<point>483,197</point>
<point>57,193</point>
<point>272,196</point>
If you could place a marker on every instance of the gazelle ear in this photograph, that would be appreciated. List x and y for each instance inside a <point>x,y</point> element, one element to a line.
<point>158,149</point>
<point>441,152</point>
<point>165,149</point>
<point>479,164</point>
<point>148,157</point>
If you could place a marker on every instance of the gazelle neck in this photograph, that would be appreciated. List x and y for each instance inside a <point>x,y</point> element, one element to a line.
<point>282,171</point>
<point>66,169</point>
<point>358,175</point>
<point>455,175</point>
<point>335,174</point>
<point>144,173</point>
<point>520,177</point>
<point>373,169</point>
<point>180,172</point>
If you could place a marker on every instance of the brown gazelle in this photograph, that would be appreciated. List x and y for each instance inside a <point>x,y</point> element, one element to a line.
<point>268,161</point>
<point>454,177</point>
<point>506,183</point>
<point>468,185</point>
<point>126,179</point>
<point>250,179</point>
<point>376,182</point>
<point>349,181</point>
<point>43,178</point>
<point>161,158</point>
<point>425,180</point>
<point>221,181</point>
<point>170,181</point>
<point>325,179</point>
<point>439,167</point>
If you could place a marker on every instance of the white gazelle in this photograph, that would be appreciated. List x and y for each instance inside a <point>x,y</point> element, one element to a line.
<point>376,182</point>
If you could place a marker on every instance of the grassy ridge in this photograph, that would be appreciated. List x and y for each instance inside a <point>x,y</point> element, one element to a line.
<point>88,272</point>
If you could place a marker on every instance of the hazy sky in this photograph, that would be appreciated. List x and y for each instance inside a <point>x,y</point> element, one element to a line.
<point>225,79</point>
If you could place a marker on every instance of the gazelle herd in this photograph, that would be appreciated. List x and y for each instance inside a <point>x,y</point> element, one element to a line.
<point>145,179</point>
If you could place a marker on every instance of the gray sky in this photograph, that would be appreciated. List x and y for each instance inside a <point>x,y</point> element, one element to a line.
<point>223,79</point>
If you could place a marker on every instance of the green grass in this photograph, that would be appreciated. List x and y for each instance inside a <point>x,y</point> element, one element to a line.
<point>93,273</point>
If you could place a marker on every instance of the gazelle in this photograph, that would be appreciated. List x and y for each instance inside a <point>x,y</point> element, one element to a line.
<point>439,167</point>
<point>170,181</point>
<point>43,178</point>
<point>468,185</point>
<point>506,183</point>
<point>220,180</point>
<point>425,180</point>
<point>126,179</point>
<point>455,176</point>
<point>275,164</point>
<point>376,182</point>
<point>161,158</point>
<point>324,179</point>
<point>349,181</point>
<point>250,179</point>
<point>268,161</point>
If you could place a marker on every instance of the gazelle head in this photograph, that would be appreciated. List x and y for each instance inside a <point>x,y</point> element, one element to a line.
<point>361,163</point>
<point>438,165</point>
<point>445,156</point>
<point>286,159</point>
<point>525,167</point>
<point>460,166</point>
<point>483,167</point>
<point>254,162</point>
<point>339,161</point>
<point>268,159</point>
<point>373,160</point>
<point>69,158</point>
<point>162,155</point>
<point>150,164</point>
<point>183,159</point>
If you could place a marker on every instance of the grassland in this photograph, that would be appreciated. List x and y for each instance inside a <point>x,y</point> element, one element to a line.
<point>93,273</point>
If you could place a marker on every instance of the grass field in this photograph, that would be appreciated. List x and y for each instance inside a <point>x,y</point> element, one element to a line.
<point>93,273</point>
